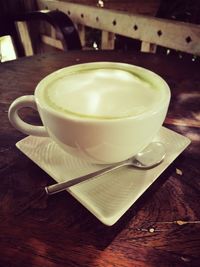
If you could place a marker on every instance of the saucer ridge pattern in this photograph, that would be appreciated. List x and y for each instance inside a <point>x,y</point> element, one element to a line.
<point>109,196</point>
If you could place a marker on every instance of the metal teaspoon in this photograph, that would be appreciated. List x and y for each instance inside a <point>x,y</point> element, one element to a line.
<point>148,158</point>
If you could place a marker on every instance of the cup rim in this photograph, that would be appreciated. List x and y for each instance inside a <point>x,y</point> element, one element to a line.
<point>101,64</point>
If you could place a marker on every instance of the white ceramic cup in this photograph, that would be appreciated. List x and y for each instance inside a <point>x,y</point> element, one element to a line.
<point>101,137</point>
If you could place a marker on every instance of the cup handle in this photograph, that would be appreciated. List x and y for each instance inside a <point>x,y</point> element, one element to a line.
<point>18,123</point>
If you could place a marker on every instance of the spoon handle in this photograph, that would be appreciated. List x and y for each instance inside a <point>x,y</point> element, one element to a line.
<point>55,188</point>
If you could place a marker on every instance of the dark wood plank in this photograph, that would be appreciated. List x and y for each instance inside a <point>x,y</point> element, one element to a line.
<point>160,229</point>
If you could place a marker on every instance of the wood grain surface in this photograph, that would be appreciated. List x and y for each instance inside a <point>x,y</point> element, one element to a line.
<point>161,229</point>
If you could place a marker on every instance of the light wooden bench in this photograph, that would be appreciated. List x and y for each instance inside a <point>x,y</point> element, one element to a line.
<point>149,30</point>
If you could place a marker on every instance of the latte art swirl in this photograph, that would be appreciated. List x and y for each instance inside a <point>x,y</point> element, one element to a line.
<point>101,93</point>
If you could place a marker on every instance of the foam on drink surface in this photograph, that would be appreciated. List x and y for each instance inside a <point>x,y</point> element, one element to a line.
<point>103,93</point>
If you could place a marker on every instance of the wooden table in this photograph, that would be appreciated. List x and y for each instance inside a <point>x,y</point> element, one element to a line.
<point>161,229</point>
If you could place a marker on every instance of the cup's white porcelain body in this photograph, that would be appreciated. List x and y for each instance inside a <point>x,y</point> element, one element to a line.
<point>96,140</point>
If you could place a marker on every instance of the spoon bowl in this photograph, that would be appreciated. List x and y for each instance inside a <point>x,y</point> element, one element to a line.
<point>150,157</point>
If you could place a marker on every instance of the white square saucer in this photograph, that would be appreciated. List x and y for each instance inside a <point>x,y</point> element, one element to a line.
<point>109,196</point>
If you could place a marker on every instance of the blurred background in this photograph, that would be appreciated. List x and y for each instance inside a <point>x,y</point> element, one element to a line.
<point>179,10</point>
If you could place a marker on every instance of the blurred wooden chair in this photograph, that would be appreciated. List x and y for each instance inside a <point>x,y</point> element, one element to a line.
<point>18,28</point>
